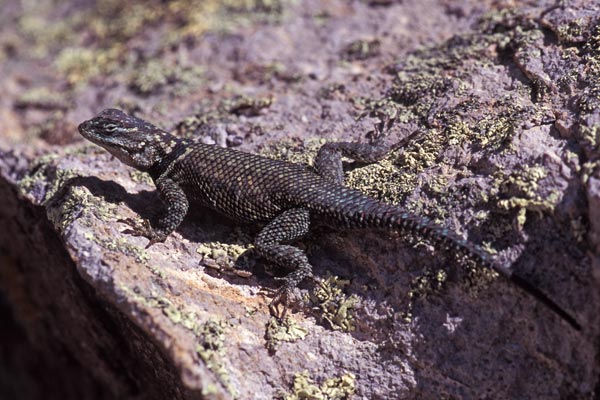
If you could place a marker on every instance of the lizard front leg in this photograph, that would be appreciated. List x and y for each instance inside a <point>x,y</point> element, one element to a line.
<point>288,226</point>
<point>176,206</point>
<point>329,158</point>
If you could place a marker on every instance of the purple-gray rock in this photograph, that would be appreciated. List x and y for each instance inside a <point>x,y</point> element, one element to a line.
<point>507,101</point>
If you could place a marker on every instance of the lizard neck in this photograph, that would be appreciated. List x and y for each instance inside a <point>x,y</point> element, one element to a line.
<point>167,153</point>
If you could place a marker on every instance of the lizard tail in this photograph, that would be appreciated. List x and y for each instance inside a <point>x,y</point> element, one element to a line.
<point>428,230</point>
<point>365,212</point>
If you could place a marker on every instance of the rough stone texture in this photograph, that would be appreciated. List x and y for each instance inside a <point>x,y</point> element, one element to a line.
<point>507,97</point>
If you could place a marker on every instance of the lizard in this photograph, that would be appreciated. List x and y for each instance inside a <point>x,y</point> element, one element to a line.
<point>285,198</point>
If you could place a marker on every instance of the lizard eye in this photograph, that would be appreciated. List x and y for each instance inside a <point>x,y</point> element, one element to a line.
<point>110,128</point>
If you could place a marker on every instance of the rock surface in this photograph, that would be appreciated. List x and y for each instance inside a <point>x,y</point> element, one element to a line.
<point>508,104</point>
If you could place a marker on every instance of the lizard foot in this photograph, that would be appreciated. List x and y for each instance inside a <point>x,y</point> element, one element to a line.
<point>284,293</point>
<point>318,282</point>
<point>281,297</point>
<point>143,229</point>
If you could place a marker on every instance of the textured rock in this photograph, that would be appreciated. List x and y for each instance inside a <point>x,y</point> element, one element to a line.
<point>507,102</point>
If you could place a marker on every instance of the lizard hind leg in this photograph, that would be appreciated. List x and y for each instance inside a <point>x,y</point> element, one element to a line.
<point>288,226</point>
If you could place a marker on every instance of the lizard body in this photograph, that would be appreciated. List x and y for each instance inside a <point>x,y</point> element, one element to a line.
<point>285,198</point>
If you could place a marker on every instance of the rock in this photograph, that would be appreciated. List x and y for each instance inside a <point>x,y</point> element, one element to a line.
<point>506,155</point>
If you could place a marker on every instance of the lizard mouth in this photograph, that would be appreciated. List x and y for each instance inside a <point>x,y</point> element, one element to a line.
<point>88,130</point>
<point>84,128</point>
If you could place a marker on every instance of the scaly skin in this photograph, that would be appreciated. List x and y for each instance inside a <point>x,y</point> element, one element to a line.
<point>286,198</point>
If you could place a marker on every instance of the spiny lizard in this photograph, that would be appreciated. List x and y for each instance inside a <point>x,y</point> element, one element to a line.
<point>285,198</point>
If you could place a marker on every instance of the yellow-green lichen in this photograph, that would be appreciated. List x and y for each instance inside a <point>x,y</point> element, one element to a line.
<point>444,72</point>
<point>45,33</point>
<point>63,212</point>
<point>177,314</point>
<point>336,308</point>
<point>211,337</point>
<point>520,190</point>
<point>383,180</point>
<point>180,316</point>
<point>42,97</point>
<point>246,105</point>
<point>94,40</point>
<point>572,31</point>
<point>121,244</point>
<point>492,131</point>
<point>588,169</point>
<point>489,132</point>
<point>337,388</point>
<point>140,177</point>
<point>254,6</point>
<point>590,135</point>
<point>431,280</point>
<point>78,64</point>
<point>222,255</point>
<point>422,154</point>
<point>156,75</point>
<point>293,150</point>
<point>421,286</point>
<point>45,178</point>
<point>478,278</point>
<point>283,331</point>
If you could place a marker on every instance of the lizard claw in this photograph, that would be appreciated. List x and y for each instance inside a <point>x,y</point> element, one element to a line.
<point>284,292</point>
<point>281,297</point>
<point>153,241</point>
<point>318,282</point>
<point>142,229</point>
<point>135,227</point>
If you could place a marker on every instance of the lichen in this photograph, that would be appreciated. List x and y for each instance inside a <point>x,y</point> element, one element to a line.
<point>283,331</point>
<point>159,75</point>
<point>211,337</point>
<point>336,308</point>
<point>44,179</point>
<point>572,31</point>
<point>336,388</point>
<point>113,25</point>
<point>426,283</point>
<point>384,180</point>
<point>293,150</point>
<point>221,255</point>
<point>78,64</point>
<point>77,201</point>
<point>140,177</point>
<point>520,190</point>
<point>121,245</point>
<point>42,97</point>
<point>246,105</point>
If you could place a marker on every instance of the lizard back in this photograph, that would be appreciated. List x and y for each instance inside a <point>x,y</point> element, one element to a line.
<point>243,186</point>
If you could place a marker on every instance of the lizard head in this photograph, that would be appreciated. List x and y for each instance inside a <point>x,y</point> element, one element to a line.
<point>133,141</point>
